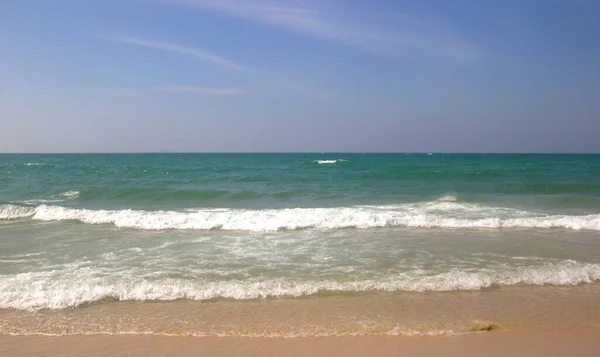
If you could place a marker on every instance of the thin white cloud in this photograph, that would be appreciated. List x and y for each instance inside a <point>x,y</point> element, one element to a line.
<point>404,35</point>
<point>265,75</point>
<point>176,48</point>
<point>205,90</point>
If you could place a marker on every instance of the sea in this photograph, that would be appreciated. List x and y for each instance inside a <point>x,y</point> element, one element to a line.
<point>287,245</point>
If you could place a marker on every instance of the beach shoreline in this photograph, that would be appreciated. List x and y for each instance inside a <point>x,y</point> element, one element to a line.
<point>496,343</point>
<point>544,309</point>
<point>259,255</point>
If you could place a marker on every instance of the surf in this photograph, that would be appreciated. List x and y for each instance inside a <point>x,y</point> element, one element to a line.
<point>442,213</point>
<point>73,285</point>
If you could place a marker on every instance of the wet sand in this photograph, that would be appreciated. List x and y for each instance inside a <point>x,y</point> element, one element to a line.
<point>483,344</point>
<point>526,309</point>
<point>527,321</point>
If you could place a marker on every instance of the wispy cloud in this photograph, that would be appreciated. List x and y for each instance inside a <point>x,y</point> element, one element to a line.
<point>205,90</point>
<point>406,34</point>
<point>176,48</point>
<point>265,75</point>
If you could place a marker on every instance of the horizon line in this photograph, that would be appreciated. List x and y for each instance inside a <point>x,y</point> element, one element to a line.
<point>301,152</point>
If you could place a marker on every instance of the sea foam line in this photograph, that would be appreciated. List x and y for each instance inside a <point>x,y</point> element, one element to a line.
<point>397,330</point>
<point>474,328</point>
<point>437,214</point>
<point>72,287</point>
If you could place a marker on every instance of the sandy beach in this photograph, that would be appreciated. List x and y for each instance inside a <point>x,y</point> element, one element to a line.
<point>483,344</point>
<point>299,178</point>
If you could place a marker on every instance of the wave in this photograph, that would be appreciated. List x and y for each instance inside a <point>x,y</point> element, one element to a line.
<point>133,194</point>
<point>15,211</point>
<point>330,161</point>
<point>59,289</point>
<point>60,197</point>
<point>448,198</point>
<point>69,194</point>
<point>443,213</point>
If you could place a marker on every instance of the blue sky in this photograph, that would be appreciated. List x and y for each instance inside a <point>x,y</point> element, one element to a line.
<point>299,75</point>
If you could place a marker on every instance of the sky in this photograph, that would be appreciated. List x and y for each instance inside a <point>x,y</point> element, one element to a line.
<point>299,76</point>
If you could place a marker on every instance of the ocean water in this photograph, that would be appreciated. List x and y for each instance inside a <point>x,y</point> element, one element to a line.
<point>297,244</point>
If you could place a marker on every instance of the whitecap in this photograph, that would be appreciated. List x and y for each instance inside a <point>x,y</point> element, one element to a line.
<point>78,285</point>
<point>436,214</point>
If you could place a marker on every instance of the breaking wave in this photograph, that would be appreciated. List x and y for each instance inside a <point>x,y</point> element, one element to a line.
<point>58,289</point>
<point>15,211</point>
<point>330,161</point>
<point>443,213</point>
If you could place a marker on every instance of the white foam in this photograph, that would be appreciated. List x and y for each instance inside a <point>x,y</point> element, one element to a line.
<point>325,161</point>
<point>60,197</point>
<point>79,285</point>
<point>392,331</point>
<point>14,211</point>
<point>69,194</point>
<point>39,201</point>
<point>438,214</point>
<point>448,198</point>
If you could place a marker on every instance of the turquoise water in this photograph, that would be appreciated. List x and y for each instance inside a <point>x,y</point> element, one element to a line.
<point>76,229</point>
<point>176,181</point>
